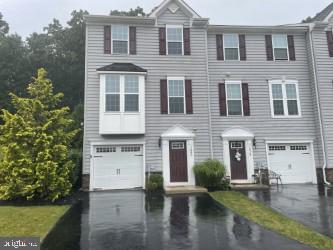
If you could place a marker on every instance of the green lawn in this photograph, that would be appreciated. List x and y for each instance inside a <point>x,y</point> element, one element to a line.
<point>272,220</point>
<point>29,220</point>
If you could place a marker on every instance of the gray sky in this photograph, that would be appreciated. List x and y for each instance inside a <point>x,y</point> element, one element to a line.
<point>27,16</point>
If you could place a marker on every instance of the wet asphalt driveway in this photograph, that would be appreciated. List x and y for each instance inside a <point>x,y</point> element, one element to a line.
<point>133,220</point>
<point>311,205</point>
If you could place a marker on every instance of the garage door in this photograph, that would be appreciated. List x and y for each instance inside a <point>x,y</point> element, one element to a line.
<point>117,167</point>
<point>292,161</point>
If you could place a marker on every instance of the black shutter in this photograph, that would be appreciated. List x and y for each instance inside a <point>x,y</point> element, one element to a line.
<point>269,47</point>
<point>164,96</point>
<point>162,39</point>
<point>132,40</point>
<point>246,99</point>
<point>187,41</point>
<point>188,96</point>
<point>222,99</point>
<point>329,36</point>
<point>219,47</point>
<point>107,39</point>
<point>291,48</point>
<point>242,48</point>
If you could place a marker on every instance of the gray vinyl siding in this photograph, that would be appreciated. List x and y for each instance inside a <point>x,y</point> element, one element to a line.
<point>324,65</point>
<point>159,67</point>
<point>167,17</point>
<point>256,71</point>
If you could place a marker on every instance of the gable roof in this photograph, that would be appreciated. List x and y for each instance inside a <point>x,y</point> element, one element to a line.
<point>324,14</point>
<point>122,67</point>
<point>183,6</point>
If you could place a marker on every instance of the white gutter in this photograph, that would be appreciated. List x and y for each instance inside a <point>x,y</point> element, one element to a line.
<point>318,104</point>
<point>208,100</point>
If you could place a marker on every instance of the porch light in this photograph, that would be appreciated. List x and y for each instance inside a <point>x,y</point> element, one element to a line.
<point>159,142</point>
<point>254,142</point>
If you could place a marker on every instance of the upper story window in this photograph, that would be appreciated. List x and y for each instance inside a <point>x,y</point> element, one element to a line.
<point>120,39</point>
<point>231,46</point>
<point>284,98</point>
<point>174,35</point>
<point>176,95</point>
<point>280,47</point>
<point>121,93</point>
<point>234,98</point>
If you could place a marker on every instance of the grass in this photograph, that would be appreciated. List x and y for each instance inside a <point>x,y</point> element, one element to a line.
<point>29,220</point>
<point>272,220</point>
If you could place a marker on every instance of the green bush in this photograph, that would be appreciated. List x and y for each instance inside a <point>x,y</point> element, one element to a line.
<point>75,155</point>
<point>210,174</point>
<point>154,183</point>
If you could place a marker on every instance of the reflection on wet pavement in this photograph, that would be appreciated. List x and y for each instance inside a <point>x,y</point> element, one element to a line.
<point>133,220</point>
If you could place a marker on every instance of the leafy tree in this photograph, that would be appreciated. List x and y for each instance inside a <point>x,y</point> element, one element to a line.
<point>4,27</point>
<point>34,145</point>
<point>307,20</point>
<point>138,11</point>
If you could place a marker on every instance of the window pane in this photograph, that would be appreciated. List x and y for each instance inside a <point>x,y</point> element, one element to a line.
<point>233,91</point>
<point>291,91</point>
<point>280,41</point>
<point>131,84</point>
<point>120,47</point>
<point>112,83</point>
<point>281,54</point>
<point>231,54</point>
<point>277,91</point>
<point>175,48</point>
<point>278,107</point>
<point>231,40</point>
<point>112,102</point>
<point>175,34</point>
<point>176,88</point>
<point>292,107</point>
<point>119,32</point>
<point>131,103</point>
<point>176,105</point>
<point>235,107</point>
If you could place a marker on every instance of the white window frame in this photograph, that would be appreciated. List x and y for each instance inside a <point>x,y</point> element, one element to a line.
<point>132,93</point>
<point>112,93</point>
<point>230,99</point>
<point>167,40</point>
<point>225,47</point>
<point>184,96</point>
<point>122,96</point>
<point>128,46</point>
<point>285,99</point>
<point>286,37</point>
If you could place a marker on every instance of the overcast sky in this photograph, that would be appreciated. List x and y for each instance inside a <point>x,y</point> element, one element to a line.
<point>27,16</point>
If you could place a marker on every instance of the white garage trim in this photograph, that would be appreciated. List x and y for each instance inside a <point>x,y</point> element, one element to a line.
<point>116,143</point>
<point>291,141</point>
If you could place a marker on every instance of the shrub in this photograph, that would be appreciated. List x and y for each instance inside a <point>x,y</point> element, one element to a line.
<point>154,183</point>
<point>210,174</point>
<point>75,155</point>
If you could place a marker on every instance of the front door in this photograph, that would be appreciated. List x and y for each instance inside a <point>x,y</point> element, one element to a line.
<point>178,161</point>
<point>238,160</point>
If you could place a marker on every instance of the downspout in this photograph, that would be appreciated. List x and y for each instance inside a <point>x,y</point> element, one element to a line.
<point>208,99</point>
<point>318,104</point>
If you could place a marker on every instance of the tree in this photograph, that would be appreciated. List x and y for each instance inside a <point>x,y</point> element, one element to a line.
<point>307,20</point>
<point>34,145</point>
<point>138,11</point>
<point>4,27</point>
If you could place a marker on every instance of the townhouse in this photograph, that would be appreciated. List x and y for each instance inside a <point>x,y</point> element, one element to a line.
<point>168,90</point>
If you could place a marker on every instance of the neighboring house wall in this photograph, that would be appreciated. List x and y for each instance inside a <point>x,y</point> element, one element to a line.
<point>256,71</point>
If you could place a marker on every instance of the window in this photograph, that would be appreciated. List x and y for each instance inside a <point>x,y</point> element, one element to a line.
<point>112,93</point>
<point>130,149</point>
<point>174,40</point>
<point>299,148</point>
<point>120,39</point>
<point>280,47</point>
<point>284,98</point>
<point>277,148</point>
<point>231,46</point>
<point>176,95</point>
<point>177,145</point>
<point>106,149</point>
<point>234,98</point>
<point>131,93</point>
<point>236,144</point>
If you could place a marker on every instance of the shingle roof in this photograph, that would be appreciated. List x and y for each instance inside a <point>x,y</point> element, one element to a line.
<point>324,13</point>
<point>122,67</point>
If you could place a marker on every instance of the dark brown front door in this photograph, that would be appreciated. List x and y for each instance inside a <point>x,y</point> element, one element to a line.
<point>238,160</point>
<point>178,161</point>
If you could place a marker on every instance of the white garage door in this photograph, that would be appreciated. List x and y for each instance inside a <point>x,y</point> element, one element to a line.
<point>117,167</point>
<point>292,161</point>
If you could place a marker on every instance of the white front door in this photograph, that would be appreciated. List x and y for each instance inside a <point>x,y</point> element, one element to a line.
<point>117,167</point>
<point>292,161</point>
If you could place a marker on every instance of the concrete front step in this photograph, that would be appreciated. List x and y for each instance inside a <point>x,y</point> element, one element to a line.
<point>184,190</point>
<point>248,186</point>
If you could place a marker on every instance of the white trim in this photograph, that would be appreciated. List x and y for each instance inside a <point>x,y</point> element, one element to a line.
<point>122,72</point>
<point>168,26</point>
<point>241,96</point>
<point>288,59</point>
<point>284,98</point>
<point>184,95</point>
<point>295,141</point>
<point>128,46</point>
<point>224,47</point>
<point>328,17</point>
<point>183,6</point>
